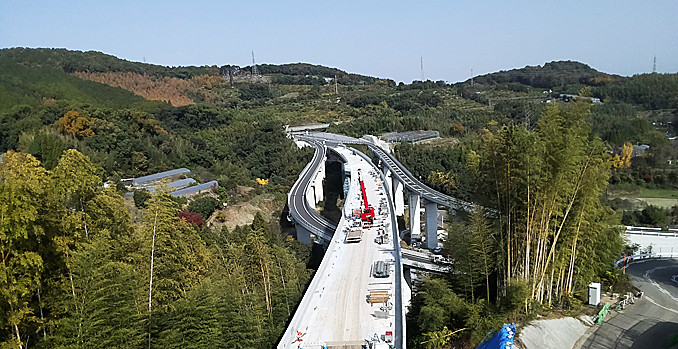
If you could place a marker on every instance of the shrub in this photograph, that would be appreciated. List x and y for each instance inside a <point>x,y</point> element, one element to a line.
<point>204,205</point>
<point>191,217</point>
<point>140,198</point>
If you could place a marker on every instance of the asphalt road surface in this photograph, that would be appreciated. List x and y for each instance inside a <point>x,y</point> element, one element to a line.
<point>652,320</point>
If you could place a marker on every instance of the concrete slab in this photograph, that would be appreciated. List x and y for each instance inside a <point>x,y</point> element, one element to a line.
<point>553,334</point>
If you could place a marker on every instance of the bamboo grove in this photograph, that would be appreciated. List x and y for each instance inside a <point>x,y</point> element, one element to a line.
<point>77,272</point>
<point>555,234</point>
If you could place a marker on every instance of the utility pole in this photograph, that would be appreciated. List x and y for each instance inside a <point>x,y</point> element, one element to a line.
<point>336,86</point>
<point>421,62</point>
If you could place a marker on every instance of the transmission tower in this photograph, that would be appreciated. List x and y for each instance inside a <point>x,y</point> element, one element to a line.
<point>421,62</point>
<point>255,71</point>
<point>654,65</point>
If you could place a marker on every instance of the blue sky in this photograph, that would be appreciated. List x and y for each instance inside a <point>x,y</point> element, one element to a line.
<point>377,38</point>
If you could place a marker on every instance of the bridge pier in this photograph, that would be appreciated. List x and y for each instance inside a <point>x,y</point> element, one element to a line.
<point>303,235</point>
<point>399,199</point>
<point>415,214</point>
<point>407,275</point>
<point>318,182</point>
<point>310,196</point>
<point>389,180</point>
<point>431,209</point>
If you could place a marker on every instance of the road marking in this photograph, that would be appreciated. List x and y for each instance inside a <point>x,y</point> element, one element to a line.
<point>661,306</point>
<point>663,290</point>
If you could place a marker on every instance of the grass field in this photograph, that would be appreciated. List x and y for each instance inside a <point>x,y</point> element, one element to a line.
<point>665,198</point>
<point>657,193</point>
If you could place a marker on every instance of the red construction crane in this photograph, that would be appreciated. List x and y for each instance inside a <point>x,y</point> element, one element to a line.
<point>368,212</point>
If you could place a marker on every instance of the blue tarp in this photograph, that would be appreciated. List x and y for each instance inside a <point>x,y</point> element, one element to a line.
<point>503,339</point>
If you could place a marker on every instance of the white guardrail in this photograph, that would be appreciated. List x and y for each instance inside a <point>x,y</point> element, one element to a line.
<point>645,256</point>
<point>672,232</point>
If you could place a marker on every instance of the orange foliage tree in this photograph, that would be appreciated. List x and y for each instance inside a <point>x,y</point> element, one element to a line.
<point>623,161</point>
<point>72,122</point>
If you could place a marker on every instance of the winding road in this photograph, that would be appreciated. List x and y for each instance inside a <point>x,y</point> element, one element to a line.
<point>652,320</point>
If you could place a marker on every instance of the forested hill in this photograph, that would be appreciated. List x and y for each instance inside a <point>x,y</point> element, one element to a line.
<point>649,91</point>
<point>22,84</point>
<point>96,62</point>
<point>549,75</point>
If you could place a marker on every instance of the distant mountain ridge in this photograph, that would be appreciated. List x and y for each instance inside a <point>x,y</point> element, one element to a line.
<point>71,61</point>
<point>552,74</point>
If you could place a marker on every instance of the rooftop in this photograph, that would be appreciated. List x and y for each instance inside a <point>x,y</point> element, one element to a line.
<point>195,189</point>
<point>174,185</point>
<point>410,136</point>
<point>158,176</point>
<point>291,129</point>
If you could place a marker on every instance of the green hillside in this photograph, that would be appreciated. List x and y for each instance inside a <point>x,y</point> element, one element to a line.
<point>550,75</point>
<point>32,85</point>
<point>96,62</point>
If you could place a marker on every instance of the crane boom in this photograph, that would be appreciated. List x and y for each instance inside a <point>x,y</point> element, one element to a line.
<point>362,188</point>
<point>368,212</point>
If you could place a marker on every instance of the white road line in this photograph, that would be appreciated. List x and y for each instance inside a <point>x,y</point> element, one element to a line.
<point>659,305</point>
<point>663,290</point>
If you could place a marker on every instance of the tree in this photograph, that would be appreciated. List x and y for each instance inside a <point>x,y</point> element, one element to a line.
<point>22,197</point>
<point>75,181</point>
<point>76,125</point>
<point>104,313</point>
<point>204,205</point>
<point>623,161</point>
<point>547,183</point>
<point>141,197</point>
<point>483,246</point>
<point>191,217</point>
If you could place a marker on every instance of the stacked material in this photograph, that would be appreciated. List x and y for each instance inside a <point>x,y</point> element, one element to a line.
<point>378,297</point>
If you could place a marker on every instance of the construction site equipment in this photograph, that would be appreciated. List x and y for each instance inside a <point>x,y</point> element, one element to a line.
<point>380,269</point>
<point>378,297</point>
<point>367,214</point>
<point>355,234</point>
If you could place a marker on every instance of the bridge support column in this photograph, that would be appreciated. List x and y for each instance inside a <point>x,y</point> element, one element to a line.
<point>407,275</point>
<point>303,235</point>
<point>431,224</point>
<point>318,182</point>
<point>398,198</point>
<point>415,214</point>
<point>318,189</point>
<point>389,182</point>
<point>310,195</point>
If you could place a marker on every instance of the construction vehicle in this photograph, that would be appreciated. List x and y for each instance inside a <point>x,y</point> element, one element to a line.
<point>367,214</point>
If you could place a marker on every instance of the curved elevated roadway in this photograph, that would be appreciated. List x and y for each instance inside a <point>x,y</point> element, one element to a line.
<point>334,311</point>
<point>300,210</point>
<point>398,170</point>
